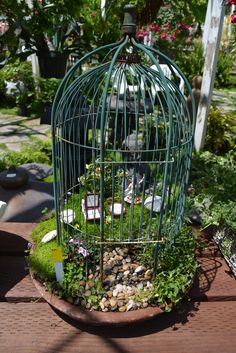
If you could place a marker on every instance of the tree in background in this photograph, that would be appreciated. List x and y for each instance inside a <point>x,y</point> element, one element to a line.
<point>40,26</point>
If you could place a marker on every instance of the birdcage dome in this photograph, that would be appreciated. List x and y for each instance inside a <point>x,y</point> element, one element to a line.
<point>122,143</point>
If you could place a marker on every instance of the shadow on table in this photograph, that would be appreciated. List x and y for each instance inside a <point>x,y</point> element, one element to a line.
<point>161,322</point>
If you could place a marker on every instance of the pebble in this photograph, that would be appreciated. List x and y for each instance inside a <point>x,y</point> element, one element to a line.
<point>91,284</point>
<point>114,308</point>
<point>102,306</point>
<point>134,266</point>
<point>119,276</point>
<point>120,303</point>
<point>140,286</point>
<point>111,278</point>
<point>119,288</point>
<point>124,278</point>
<point>109,293</point>
<point>125,267</point>
<point>130,305</point>
<point>118,257</point>
<point>113,302</point>
<point>120,252</point>
<point>126,273</point>
<point>148,274</point>
<point>107,304</point>
<point>139,269</point>
<point>115,269</point>
<point>121,296</point>
<point>114,293</point>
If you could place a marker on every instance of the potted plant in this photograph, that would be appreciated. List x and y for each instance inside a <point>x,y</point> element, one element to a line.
<point>51,30</point>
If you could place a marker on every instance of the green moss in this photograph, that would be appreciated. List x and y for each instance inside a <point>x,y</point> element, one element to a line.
<point>135,220</point>
<point>41,261</point>
<point>43,228</point>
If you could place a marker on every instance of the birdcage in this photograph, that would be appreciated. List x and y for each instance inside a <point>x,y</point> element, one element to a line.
<point>122,144</point>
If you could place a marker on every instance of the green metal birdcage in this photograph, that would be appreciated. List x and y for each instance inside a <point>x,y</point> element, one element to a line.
<point>122,145</point>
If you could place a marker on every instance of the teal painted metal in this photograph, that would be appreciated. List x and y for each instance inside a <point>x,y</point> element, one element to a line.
<point>122,145</point>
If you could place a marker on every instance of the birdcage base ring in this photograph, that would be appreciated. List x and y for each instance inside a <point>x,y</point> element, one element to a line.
<point>96,318</point>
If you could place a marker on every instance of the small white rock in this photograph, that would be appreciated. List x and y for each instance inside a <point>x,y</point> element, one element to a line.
<point>139,269</point>
<point>114,293</point>
<point>130,305</point>
<point>140,286</point>
<point>119,288</point>
<point>102,306</point>
<point>49,236</point>
<point>126,273</point>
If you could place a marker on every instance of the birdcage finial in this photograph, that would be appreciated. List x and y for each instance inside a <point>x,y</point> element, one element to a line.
<point>129,23</point>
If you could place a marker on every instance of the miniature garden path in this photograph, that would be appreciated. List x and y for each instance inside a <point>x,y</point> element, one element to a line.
<point>18,130</point>
<point>205,323</point>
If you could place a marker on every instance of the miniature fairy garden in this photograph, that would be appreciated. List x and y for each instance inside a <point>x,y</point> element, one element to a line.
<point>127,278</point>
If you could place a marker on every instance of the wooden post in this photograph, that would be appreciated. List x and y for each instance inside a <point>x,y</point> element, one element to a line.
<point>212,50</point>
<point>207,24</point>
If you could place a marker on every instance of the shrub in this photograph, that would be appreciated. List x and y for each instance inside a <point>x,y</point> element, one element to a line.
<point>47,88</point>
<point>221,132</point>
<point>191,60</point>
<point>36,151</point>
<point>21,74</point>
<point>2,91</point>
<point>224,69</point>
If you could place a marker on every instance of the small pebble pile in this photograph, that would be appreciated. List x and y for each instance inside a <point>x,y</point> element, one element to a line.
<point>127,284</point>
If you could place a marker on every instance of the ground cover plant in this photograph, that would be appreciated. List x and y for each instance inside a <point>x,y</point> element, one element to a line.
<point>36,151</point>
<point>213,182</point>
